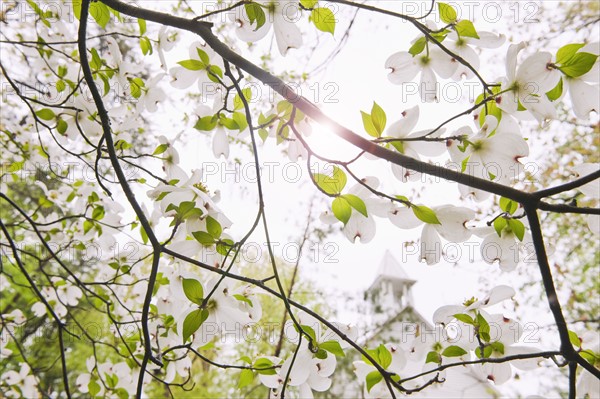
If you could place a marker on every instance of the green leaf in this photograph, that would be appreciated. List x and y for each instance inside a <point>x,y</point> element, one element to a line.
<point>334,184</point>
<point>45,114</point>
<point>192,322</point>
<point>447,13</point>
<point>192,65</point>
<point>264,366</point>
<point>368,124</point>
<point>135,86</point>
<point>499,225</point>
<point>341,209</point>
<point>93,388</point>
<point>240,119</point>
<point>565,53</point>
<point>483,328</point>
<point>237,100</point>
<point>356,203</point>
<point>213,227</point>
<point>555,93</point>
<point>466,28</point>
<point>144,235</point>
<point>203,238</point>
<point>100,12</point>
<point>454,351</point>
<point>203,56</point>
<point>590,356</point>
<point>487,352</point>
<point>425,214</point>
<point>61,86</point>
<point>333,347</point>
<point>145,45</point>
<point>160,149</point>
<point>418,46</point>
<point>575,340</point>
<point>309,3</point>
<point>433,357</point>
<point>324,19</point>
<point>255,13</point>
<point>87,226</point>
<point>246,378</point>
<point>214,71</point>
<point>206,123</point>
<point>465,318</point>
<point>373,378</point>
<point>378,118</point>
<point>508,205</point>
<point>61,126</point>
<point>193,290</point>
<point>384,356</point>
<point>142,25</point>
<point>579,64</point>
<point>245,359</point>
<point>517,227</point>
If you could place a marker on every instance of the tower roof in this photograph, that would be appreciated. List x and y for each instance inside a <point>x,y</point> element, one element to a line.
<point>390,269</point>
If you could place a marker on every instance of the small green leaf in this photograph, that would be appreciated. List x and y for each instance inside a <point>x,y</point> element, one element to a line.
<point>145,45</point>
<point>100,12</point>
<point>45,114</point>
<point>575,340</point>
<point>192,65</point>
<point>341,209</point>
<point>356,203</point>
<point>555,93</point>
<point>465,318</point>
<point>193,290</point>
<point>255,14</point>
<point>384,356</point>
<point>590,356</point>
<point>309,3</point>
<point>61,86</point>
<point>418,46</point>
<point>206,123</point>
<point>378,118</point>
<point>447,13</point>
<point>517,227</point>
<point>192,322</point>
<point>508,205</point>
<point>213,227</point>
<point>93,388</point>
<point>246,378</point>
<point>425,214</point>
<point>565,53</point>
<point>204,238</point>
<point>203,56</point>
<point>135,87</point>
<point>142,25</point>
<point>499,225</point>
<point>61,126</point>
<point>433,357</point>
<point>160,149</point>
<point>579,64</point>
<point>368,124</point>
<point>87,226</point>
<point>264,366</point>
<point>333,347</point>
<point>466,28</point>
<point>332,185</point>
<point>237,100</point>
<point>373,378</point>
<point>483,328</point>
<point>454,351</point>
<point>324,19</point>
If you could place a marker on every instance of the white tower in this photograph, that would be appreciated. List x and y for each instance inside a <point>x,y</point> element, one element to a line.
<point>390,293</point>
